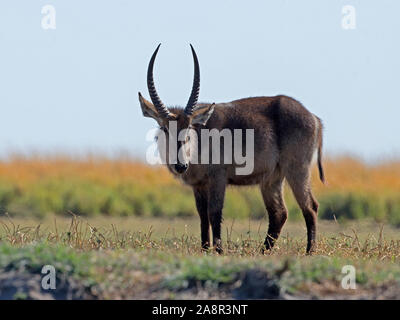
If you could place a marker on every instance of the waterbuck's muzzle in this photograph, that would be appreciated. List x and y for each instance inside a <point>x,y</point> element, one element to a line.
<point>181,168</point>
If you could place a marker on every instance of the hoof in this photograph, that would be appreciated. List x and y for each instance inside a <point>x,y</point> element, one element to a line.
<point>205,246</point>
<point>218,246</point>
<point>219,250</point>
<point>311,248</point>
<point>266,250</point>
<point>268,245</point>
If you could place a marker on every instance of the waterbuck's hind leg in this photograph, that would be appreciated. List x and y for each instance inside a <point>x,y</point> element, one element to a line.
<point>299,182</point>
<point>277,212</point>
<point>201,197</point>
<point>215,205</point>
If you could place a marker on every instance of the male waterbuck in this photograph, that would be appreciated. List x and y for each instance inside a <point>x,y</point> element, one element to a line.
<point>286,137</point>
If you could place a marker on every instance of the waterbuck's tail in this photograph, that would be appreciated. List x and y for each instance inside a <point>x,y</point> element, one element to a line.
<point>320,143</point>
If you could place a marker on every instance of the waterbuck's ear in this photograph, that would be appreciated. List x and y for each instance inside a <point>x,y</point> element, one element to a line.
<point>202,114</point>
<point>148,109</point>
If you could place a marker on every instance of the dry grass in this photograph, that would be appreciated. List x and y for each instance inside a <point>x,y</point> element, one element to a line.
<point>25,171</point>
<point>352,175</point>
<point>343,173</point>
<point>40,186</point>
<point>158,258</point>
<point>243,239</point>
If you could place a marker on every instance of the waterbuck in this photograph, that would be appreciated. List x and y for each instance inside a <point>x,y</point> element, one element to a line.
<point>286,138</point>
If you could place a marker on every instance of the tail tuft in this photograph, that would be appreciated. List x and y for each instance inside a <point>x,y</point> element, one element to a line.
<point>320,167</point>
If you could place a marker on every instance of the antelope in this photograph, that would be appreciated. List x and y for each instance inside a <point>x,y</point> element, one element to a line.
<point>286,138</point>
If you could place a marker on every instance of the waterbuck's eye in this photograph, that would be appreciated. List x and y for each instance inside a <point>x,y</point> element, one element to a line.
<point>165,129</point>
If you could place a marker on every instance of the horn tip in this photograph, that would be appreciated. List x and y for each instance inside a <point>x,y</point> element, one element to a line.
<point>158,47</point>
<point>193,52</point>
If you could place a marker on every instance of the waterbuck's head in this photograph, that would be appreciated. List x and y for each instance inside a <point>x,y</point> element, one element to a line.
<point>175,123</point>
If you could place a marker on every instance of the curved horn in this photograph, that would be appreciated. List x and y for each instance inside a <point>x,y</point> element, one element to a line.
<point>196,85</point>
<point>160,107</point>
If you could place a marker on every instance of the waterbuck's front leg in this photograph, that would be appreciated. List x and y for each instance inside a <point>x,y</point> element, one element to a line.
<point>201,196</point>
<point>216,194</point>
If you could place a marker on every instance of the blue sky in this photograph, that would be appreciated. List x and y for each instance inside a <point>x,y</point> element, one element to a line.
<point>74,89</point>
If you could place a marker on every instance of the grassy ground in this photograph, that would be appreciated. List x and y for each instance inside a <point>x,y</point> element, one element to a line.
<point>137,234</point>
<point>161,258</point>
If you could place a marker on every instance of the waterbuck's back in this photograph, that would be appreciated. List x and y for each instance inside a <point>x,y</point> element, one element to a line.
<point>283,130</point>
